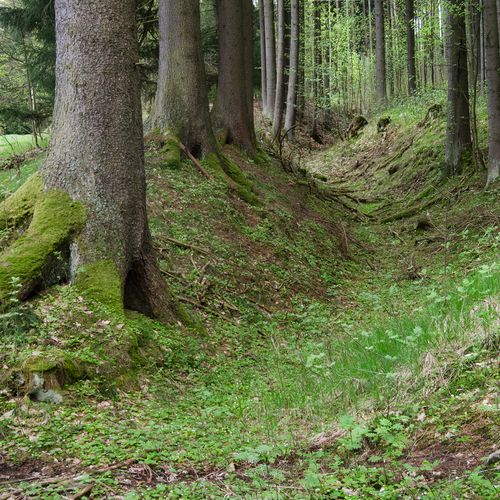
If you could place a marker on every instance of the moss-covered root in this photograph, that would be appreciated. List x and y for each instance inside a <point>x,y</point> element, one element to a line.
<point>228,171</point>
<point>19,206</point>
<point>100,281</point>
<point>23,266</point>
<point>172,151</point>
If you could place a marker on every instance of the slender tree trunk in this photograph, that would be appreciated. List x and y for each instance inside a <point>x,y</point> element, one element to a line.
<point>294,68</point>
<point>458,137</point>
<point>263,65</point>
<point>492,52</point>
<point>270,57</point>
<point>317,69</point>
<point>380,51</point>
<point>181,103</point>
<point>233,109</point>
<point>96,154</point>
<point>410,42</point>
<point>301,84</point>
<point>280,71</point>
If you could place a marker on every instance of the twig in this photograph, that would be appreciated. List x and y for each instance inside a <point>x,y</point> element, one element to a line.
<point>83,492</point>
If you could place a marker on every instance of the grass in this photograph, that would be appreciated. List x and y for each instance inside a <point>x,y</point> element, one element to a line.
<point>320,376</point>
<point>18,144</point>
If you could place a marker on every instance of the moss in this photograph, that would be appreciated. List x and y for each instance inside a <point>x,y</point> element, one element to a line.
<point>55,219</point>
<point>172,151</point>
<point>100,281</point>
<point>20,205</point>
<point>229,172</point>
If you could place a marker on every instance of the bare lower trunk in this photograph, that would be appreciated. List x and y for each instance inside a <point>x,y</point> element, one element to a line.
<point>280,71</point>
<point>96,153</point>
<point>410,41</point>
<point>181,103</point>
<point>492,52</point>
<point>233,109</point>
<point>380,51</point>
<point>263,77</point>
<point>294,68</point>
<point>458,136</point>
<point>270,57</point>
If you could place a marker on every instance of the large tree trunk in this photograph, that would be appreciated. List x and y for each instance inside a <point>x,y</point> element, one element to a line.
<point>93,209</point>
<point>458,135</point>
<point>410,42</point>
<point>181,104</point>
<point>270,57</point>
<point>233,110</point>
<point>280,71</point>
<point>380,51</point>
<point>294,68</point>
<point>492,52</point>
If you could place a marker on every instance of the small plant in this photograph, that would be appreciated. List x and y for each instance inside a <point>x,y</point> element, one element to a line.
<point>18,318</point>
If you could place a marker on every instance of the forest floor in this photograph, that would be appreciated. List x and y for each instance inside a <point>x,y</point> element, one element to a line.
<point>350,350</point>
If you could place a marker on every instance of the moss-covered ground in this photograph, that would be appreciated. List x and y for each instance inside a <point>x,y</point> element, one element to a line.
<point>351,345</point>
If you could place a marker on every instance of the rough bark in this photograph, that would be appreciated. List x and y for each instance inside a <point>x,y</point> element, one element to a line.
<point>263,77</point>
<point>492,52</point>
<point>294,68</point>
<point>233,109</point>
<point>96,155</point>
<point>280,71</point>
<point>410,43</point>
<point>458,134</point>
<point>381,84</point>
<point>181,103</point>
<point>270,57</point>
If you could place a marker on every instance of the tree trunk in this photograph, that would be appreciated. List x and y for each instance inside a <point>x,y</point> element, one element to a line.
<point>181,103</point>
<point>458,136</point>
<point>270,57</point>
<point>280,71</point>
<point>380,51</point>
<point>263,74</point>
<point>492,52</point>
<point>294,68</point>
<point>317,69</point>
<point>410,41</point>
<point>233,109</point>
<point>96,155</point>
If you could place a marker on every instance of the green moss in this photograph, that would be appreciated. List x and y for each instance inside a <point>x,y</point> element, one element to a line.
<point>55,219</point>
<point>100,281</point>
<point>20,205</point>
<point>230,173</point>
<point>172,152</point>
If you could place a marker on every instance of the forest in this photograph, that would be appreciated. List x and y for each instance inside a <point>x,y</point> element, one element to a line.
<point>249,249</point>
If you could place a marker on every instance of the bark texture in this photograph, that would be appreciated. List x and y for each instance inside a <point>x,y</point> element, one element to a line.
<point>291,99</point>
<point>381,83</point>
<point>270,57</point>
<point>181,103</point>
<point>492,52</point>
<point>458,134</point>
<point>263,74</point>
<point>233,110</point>
<point>410,44</point>
<point>96,154</point>
<point>280,71</point>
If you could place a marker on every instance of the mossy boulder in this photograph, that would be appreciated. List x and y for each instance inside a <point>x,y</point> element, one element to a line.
<point>171,151</point>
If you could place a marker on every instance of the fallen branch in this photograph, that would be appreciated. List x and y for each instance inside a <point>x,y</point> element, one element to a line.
<point>197,164</point>
<point>187,245</point>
